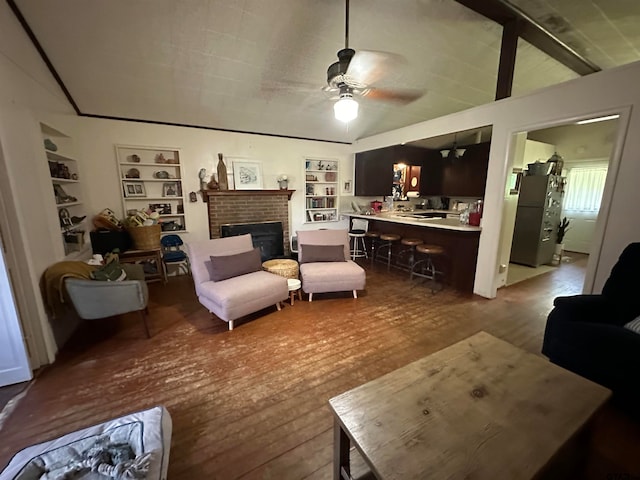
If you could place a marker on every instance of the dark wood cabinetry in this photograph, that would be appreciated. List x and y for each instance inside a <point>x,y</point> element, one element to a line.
<point>466,176</point>
<point>374,169</point>
<point>462,177</point>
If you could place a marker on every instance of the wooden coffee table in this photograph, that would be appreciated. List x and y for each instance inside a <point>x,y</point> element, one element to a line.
<point>480,409</point>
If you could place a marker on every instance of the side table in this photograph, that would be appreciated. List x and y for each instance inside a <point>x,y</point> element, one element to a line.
<point>153,255</point>
<point>294,286</point>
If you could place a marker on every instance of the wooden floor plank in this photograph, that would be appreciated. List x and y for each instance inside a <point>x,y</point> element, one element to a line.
<point>252,403</point>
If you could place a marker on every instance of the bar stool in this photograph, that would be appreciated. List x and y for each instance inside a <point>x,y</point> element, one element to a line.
<point>425,267</point>
<point>386,241</point>
<point>409,251</point>
<point>374,239</point>
<point>358,231</point>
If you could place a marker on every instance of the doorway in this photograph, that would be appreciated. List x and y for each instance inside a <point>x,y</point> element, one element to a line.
<point>586,149</point>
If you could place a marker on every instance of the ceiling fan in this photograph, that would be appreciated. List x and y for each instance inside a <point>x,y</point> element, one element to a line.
<point>355,73</point>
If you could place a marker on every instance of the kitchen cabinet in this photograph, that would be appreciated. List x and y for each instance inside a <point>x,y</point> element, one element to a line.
<point>151,179</point>
<point>431,174</point>
<point>466,176</point>
<point>374,169</point>
<point>67,190</point>
<point>413,182</point>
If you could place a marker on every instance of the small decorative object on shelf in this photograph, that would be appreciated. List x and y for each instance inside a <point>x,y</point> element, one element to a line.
<point>202,174</point>
<point>49,145</point>
<point>213,185</point>
<point>222,174</point>
<point>283,182</point>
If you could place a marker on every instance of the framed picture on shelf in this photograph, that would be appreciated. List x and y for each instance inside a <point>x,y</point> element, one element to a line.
<point>247,175</point>
<point>134,189</point>
<point>171,189</point>
<point>161,208</point>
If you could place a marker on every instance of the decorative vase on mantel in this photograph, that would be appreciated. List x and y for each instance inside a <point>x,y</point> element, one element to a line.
<point>222,174</point>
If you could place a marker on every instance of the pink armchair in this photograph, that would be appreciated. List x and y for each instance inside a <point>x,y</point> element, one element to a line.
<point>325,275</point>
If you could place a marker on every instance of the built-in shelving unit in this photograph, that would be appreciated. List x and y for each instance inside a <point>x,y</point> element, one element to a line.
<point>321,190</point>
<point>66,182</point>
<point>151,179</point>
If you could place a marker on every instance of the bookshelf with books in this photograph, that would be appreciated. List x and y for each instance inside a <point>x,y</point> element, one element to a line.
<point>321,190</point>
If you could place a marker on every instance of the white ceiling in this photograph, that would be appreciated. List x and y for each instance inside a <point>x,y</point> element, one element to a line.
<point>258,66</point>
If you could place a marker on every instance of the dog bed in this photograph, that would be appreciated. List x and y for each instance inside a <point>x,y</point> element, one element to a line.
<point>135,446</point>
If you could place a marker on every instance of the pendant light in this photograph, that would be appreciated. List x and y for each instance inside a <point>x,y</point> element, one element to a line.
<point>454,153</point>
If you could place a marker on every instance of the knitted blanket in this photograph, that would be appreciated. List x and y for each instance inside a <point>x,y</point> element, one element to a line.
<point>52,282</point>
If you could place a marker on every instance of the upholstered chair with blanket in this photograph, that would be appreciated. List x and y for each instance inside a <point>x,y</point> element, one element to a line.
<point>325,264</point>
<point>598,336</point>
<point>93,299</point>
<point>229,280</point>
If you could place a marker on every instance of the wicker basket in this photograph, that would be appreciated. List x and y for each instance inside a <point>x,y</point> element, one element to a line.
<point>145,238</point>
<point>284,267</point>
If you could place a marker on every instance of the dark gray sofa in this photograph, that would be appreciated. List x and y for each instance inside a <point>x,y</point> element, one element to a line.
<point>586,334</point>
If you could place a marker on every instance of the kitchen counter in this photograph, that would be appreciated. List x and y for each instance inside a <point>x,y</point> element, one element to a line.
<point>459,241</point>
<point>413,218</point>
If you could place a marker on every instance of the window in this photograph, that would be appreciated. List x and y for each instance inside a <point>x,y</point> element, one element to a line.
<point>584,188</point>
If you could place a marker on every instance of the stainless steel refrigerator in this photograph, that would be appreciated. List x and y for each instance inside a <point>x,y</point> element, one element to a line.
<point>537,219</point>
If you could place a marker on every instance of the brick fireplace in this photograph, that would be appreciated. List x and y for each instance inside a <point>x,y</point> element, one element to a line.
<point>248,206</point>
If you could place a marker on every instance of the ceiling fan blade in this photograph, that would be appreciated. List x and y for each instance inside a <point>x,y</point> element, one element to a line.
<point>369,66</point>
<point>290,86</point>
<point>397,96</point>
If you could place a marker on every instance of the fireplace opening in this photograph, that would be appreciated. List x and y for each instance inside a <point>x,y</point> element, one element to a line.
<point>268,236</point>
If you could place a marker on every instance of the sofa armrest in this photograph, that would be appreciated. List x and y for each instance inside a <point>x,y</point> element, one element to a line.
<point>591,308</point>
<point>586,308</point>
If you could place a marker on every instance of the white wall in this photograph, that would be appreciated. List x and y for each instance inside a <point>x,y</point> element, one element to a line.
<point>25,88</point>
<point>612,91</point>
<point>95,141</point>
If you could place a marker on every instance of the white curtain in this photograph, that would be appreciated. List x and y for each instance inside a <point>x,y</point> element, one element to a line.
<point>584,189</point>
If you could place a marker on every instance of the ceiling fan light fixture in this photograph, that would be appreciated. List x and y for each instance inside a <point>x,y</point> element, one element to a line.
<point>346,108</point>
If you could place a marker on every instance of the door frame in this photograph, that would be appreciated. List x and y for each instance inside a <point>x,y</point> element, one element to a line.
<point>27,312</point>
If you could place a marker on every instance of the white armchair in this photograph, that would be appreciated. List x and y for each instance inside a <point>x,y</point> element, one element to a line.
<point>93,299</point>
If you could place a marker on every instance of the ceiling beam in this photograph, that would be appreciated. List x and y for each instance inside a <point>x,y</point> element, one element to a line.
<point>507,63</point>
<point>503,12</point>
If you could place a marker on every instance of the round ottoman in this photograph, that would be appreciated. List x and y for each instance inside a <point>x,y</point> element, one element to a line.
<point>284,267</point>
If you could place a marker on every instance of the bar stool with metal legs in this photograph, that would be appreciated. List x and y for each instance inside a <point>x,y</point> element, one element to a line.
<point>409,252</point>
<point>358,231</point>
<point>386,242</point>
<point>374,239</point>
<point>425,266</point>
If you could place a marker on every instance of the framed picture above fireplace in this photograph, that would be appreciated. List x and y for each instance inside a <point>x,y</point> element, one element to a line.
<point>247,175</point>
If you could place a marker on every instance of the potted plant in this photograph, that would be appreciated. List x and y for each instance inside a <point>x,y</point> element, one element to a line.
<point>563,227</point>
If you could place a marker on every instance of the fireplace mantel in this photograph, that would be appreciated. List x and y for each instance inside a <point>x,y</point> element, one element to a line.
<point>240,193</point>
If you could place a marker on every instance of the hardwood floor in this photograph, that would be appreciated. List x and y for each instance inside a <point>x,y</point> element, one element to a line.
<point>252,403</point>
